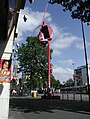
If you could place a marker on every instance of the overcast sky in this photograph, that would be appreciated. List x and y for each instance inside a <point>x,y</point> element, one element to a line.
<point>67,43</point>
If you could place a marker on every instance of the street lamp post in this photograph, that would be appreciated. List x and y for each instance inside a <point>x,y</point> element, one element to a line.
<point>73,73</point>
<point>85,59</point>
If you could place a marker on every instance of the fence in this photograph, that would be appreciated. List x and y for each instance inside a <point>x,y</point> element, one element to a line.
<point>73,96</point>
<point>74,93</point>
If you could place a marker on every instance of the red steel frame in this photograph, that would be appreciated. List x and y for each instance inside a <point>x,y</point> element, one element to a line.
<point>48,52</point>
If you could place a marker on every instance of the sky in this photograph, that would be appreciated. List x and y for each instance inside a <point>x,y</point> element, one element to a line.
<point>67,42</point>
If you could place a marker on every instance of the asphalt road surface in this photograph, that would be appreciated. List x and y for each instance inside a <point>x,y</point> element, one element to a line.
<point>32,108</point>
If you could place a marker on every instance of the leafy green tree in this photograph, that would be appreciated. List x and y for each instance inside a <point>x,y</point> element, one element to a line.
<point>58,84</point>
<point>69,83</point>
<point>55,83</point>
<point>33,61</point>
<point>80,9</point>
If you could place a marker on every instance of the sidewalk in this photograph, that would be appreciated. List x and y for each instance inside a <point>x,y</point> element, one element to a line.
<point>15,115</point>
<point>41,106</point>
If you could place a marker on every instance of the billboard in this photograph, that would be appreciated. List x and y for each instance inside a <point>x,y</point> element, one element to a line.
<point>5,70</point>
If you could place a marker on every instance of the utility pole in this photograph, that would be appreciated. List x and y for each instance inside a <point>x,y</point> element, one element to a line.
<point>85,51</point>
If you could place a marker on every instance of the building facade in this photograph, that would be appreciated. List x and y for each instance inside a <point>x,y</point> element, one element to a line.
<point>8,24</point>
<point>80,76</point>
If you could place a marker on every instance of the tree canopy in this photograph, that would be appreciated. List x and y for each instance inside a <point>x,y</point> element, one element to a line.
<point>69,83</point>
<point>33,61</point>
<point>80,9</point>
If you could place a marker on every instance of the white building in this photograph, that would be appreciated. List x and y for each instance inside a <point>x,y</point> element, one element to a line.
<point>80,76</point>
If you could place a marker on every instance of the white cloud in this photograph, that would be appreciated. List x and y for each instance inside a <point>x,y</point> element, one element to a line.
<point>89,62</point>
<point>34,20</point>
<point>56,52</point>
<point>61,40</point>
<point>62,74</point>
<point>66,62</point>
<point>79,46</point>
<point>88,44</point>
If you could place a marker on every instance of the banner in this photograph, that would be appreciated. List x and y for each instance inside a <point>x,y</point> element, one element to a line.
<point>5,70</point>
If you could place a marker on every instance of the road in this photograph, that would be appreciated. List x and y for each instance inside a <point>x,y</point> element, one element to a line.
<point>36,108</point>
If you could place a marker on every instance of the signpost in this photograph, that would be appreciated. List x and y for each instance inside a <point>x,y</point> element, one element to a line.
<point>47,32</point>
